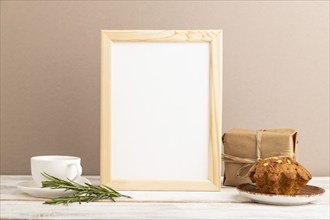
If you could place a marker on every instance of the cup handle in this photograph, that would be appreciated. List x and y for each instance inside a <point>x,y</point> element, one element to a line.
<point>79,170</point>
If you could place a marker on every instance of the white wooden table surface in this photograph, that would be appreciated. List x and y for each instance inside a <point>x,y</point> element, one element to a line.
<point>226,204</point>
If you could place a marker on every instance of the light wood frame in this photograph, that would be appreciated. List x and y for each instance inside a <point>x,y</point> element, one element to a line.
<point>214,38</point>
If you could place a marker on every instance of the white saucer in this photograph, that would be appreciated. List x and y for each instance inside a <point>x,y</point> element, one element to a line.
<point>307,194</point>
<point>32,189</point>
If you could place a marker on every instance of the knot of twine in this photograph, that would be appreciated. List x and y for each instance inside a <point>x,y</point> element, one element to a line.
<point>249,163</point>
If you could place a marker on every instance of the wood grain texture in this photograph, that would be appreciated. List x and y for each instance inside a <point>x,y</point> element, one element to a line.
<point>214,37</point>
<point>226,204</point>
<point>189,185</point>
<point>162,35</point>
<point>105,114</point>
<point>215,107</point>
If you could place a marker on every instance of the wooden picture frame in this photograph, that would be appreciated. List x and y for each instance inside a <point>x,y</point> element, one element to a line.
<point>213,40</point>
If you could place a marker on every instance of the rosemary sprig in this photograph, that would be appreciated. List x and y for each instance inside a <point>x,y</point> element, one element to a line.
<point>82,193</point>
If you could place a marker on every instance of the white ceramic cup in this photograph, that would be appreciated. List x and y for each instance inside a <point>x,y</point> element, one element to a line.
<point>63,167</point>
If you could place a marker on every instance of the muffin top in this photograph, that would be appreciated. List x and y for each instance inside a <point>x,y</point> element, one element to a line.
<point>274,167</point>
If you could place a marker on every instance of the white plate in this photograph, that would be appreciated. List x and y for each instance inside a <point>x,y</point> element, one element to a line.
<point>32,189</point>
<point>307,194</point>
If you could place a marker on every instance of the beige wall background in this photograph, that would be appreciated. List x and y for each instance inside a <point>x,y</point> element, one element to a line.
<point>276,71</point>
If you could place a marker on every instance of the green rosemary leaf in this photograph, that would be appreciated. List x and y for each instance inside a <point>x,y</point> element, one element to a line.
<point>82,193</point>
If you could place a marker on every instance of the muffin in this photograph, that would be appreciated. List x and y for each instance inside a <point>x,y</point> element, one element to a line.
<point>279,175</point>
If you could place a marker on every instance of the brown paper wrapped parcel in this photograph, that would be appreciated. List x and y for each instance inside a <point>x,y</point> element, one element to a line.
<point>243,147</point>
